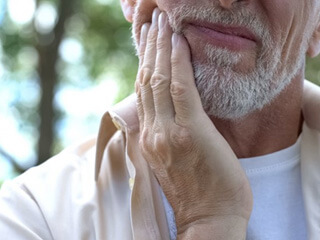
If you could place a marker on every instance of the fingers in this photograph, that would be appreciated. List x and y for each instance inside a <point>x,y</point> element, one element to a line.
<point>185,96</point>
<point>143,42</point>
<point>166,87</point>
<point>147,69</point>
<point>161,79</point>
<point>142,47</point>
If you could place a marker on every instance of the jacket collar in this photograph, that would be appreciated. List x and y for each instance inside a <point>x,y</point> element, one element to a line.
<point>123,116</point>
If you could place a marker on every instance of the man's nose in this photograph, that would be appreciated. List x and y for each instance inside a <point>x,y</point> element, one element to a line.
<point>227,3</point>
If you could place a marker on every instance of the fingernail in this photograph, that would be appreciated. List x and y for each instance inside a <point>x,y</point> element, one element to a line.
<point>155,15</point>
<point>143,35</point>
<point>162,20</point>
<point>175,39</point>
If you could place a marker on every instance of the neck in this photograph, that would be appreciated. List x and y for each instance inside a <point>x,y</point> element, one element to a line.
<point>275,127</point>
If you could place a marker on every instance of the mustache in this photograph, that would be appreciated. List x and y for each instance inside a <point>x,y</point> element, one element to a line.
<point>181,15</point>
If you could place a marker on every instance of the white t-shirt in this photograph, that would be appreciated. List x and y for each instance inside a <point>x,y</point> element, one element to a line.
<point>278,210</point>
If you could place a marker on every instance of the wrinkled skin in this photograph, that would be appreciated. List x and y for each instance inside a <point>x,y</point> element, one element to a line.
<point>194,164</point>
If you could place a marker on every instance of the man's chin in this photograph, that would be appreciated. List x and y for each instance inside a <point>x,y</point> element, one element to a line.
<point>225,95</point>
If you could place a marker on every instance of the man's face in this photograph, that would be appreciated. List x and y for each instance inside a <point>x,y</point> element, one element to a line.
<point>243,56</point>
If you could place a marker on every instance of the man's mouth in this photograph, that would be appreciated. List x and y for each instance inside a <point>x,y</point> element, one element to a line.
<point>235,38</point>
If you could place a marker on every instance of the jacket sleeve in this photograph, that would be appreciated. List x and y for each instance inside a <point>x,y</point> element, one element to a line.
<point>20,216</point>
<point>55,200</point>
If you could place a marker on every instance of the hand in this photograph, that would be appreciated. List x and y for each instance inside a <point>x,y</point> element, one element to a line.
<point>196,168</point>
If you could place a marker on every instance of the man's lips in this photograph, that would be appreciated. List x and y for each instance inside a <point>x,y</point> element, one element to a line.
<point>235,38</point>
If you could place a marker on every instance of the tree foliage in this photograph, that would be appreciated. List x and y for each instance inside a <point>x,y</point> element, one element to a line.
<point>313,70</point>
<point>33,56</point>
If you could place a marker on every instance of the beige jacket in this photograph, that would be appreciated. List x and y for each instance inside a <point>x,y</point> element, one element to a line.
<point>103,189</point>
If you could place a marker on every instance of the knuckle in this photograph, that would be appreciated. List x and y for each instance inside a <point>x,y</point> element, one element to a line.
<point>182,138</point>
<point>155,147</point>
<point>160,143</point>
<point>160,152</point>
<point>178,90</point>
<point>159,81</point>
<point>137,89</point>
<point>145,74</point>
<point>144,141</point>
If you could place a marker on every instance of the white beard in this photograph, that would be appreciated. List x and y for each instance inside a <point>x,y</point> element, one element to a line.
<point>230,94</point>
<point>225,92</point>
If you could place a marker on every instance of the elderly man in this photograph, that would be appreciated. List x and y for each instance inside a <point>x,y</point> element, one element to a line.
<point>221,140</point>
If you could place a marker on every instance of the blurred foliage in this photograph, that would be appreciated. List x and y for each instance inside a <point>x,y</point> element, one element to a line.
<point>105,37</point>
<point>313,70</point>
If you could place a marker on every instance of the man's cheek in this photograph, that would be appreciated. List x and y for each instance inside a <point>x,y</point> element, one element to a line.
<point>142,14</point>
<point>167,5</point>
<point>144,9</point>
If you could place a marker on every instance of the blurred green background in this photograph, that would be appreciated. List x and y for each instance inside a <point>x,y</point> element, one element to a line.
<point>62,64</point>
